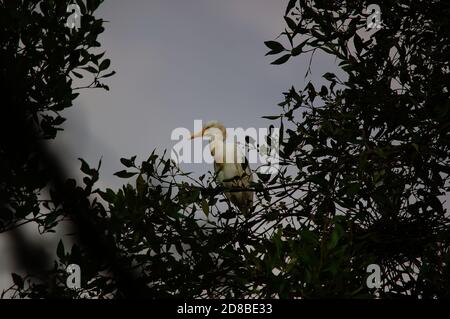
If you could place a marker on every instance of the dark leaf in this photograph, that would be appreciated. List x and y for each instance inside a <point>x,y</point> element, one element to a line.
<point>60,252</point>
<point>281,60</point>
<point>124,174</point>
<point>18,280</point>
<point>128,162</point>
<point>104,64</point>
<point>274,47</point>
<point>291,23</point>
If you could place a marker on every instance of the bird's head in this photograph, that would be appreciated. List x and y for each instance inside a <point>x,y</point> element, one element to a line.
<point>213,130</point>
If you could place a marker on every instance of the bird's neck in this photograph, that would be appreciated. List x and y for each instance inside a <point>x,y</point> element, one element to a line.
<point>214,144</point>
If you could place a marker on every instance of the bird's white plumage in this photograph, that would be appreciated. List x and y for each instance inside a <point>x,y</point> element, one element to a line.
<point>231,166</point>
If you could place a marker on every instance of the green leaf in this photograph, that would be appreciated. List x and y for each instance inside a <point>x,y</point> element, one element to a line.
<point>128,162</point>
<point>58,120</point>
<point>358,43</point>
<point>124,174</point>
<point>60,252</point>
<point>281,60</point>
<point>140,184</point>
<point>291,23</point>
<point>308,237</point>
<point>105,64</point>
<point>334,240</point>
<point>271,117</point>
<point>205,207</point>
<point>78,75</point>
<point>108,74</point>
<point>18,281</point>
<point>329,76</point>
<point>311,91</point>
<point>166,167</point>
<point>353,188</point>
<point>290,6</point>
<point>317,34</point>
<point>298,49</point>
<point>335,236</point>
<point>109,196</point>
<point>274,46</point>
<point>272,215</point>
<point>100,55</point>
<point>85,168</point>
<point>90,69</point>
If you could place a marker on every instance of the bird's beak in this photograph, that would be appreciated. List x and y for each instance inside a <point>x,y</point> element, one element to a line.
<point>198,134</point>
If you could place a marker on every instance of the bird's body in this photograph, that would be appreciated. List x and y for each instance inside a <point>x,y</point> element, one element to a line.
<point>230,165</point>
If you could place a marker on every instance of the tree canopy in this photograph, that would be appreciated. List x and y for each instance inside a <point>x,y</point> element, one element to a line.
<point>364,168</point>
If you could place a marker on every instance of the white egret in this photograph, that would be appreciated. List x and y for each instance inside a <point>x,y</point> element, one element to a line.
<point>230,164</point>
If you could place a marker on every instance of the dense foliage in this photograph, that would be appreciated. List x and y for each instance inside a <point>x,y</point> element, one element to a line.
<point>365,173</point>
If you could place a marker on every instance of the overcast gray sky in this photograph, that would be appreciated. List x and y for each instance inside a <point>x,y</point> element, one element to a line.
<point>176,61</point>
